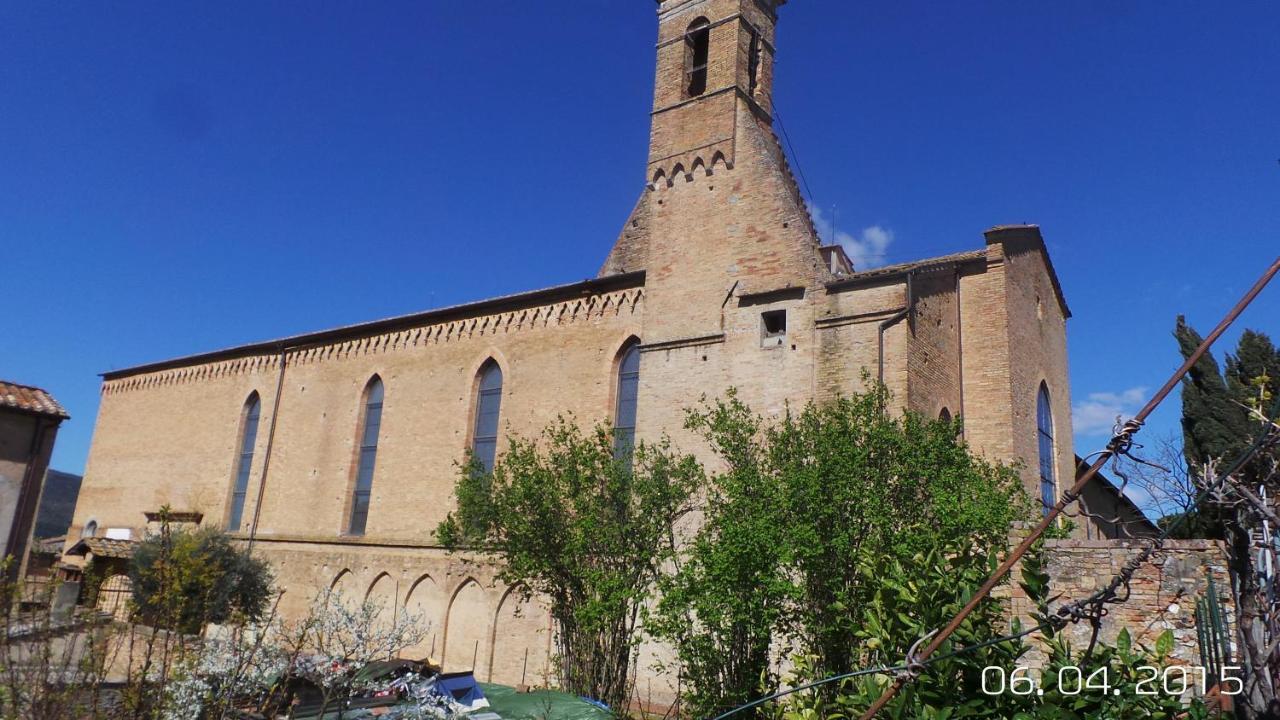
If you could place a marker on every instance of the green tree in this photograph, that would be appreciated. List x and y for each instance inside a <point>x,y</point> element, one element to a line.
<point>721,610</point>
<point>186,579</point>
<point>1220,419</point>
<point>1216,423</point>
<point>589,530</point>
<point>860,482</point>
<point>814,513</point>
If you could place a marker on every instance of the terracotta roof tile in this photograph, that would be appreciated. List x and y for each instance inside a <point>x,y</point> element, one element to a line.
<point>104,547</point>
<point>29,399</point>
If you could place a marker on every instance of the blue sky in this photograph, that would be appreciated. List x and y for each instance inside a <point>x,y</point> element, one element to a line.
<point>178,179</point>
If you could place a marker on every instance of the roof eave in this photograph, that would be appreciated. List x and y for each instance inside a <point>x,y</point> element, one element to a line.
<point>375,327</point>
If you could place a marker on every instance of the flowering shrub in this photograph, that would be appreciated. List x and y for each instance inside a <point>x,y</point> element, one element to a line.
<point>262,666</point>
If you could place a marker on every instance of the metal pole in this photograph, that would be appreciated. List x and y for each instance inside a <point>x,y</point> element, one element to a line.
<point>266,461</point>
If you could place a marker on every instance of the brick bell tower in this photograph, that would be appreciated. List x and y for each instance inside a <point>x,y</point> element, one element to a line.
<point>720,213</point>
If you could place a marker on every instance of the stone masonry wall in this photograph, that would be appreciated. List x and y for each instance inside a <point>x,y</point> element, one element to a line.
<point>1163,592</point>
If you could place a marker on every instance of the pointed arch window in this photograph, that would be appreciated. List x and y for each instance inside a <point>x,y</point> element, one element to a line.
<point>368,456</point>
<point>697,40</point>
<point>484,441</point>
<point>624,417</point>
<point>1044,433</point>
<point>244,461</point>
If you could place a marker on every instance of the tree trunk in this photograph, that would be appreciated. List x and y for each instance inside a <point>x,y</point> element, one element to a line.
<point>1259,690</point>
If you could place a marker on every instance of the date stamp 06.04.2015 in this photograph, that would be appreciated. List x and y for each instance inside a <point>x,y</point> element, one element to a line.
<point>1073,680</point>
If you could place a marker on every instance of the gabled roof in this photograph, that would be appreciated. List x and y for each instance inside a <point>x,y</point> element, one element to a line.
<point>889,271</point>
<point>1123,500</point>
<point>30,399</point>
<point>104,547</point>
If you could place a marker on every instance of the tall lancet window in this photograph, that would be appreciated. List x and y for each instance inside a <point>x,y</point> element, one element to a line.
<point>624,420</point>
<point>244,461</point>
<point>367,459</point>
<point>697,40</point>
<point>1044,431</point>
<point>484,442</point>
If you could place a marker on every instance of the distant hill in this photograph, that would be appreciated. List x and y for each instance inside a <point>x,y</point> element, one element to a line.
<point>57,504</point>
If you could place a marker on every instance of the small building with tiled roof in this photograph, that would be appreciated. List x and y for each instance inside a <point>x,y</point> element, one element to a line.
<point>29,421</point>
<point>34,400</point>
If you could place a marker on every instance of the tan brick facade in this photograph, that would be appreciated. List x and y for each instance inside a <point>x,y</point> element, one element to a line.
<point>719,236</point>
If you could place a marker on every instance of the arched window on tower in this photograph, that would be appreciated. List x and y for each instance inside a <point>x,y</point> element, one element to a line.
<point>697,41</point>
<point>90,529</point>
<point>1044,431</point>
<point>244,460</point>
<point>370,425</point>
<point>624,417</point>
<point>484,442</point>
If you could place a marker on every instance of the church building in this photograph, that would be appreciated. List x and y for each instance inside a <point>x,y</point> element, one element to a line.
<point>332,454</point>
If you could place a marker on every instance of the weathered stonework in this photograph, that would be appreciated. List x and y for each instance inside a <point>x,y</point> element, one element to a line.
<point>1162,595</point>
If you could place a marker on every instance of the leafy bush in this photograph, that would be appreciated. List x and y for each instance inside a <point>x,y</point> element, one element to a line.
<point>588,529</point>
<point>843,532</point>
<point>186,579</point>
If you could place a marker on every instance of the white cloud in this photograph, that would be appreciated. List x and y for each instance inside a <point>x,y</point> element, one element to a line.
<point>866,250</point>
<point>1097,414</point>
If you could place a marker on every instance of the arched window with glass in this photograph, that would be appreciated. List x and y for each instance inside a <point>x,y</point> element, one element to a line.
<point>366,460</point>
<point>244,460</point>
<point>624,416</point>
<point>484,440</point>
<point>1044,433</point>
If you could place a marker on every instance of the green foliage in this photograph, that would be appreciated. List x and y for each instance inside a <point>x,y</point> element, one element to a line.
<point>585,529</point>
<point>1216,409</point>
<point>920,595</point>
<point>184,580</point>
<point>861,483</point>
<point>721,609</point>
<point>854,529</point>
<point>1121,661</point>
<point>951,689</point>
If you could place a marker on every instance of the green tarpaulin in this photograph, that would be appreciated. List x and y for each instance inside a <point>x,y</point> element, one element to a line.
<point>540,705</point>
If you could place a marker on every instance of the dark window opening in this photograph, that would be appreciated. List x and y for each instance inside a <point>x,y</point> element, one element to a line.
<point>1044,432</point>
<point>484,444</point>
<point>244,462</point>
<point>773,327</point>
<point>945,415</point>
<point>697,41</point>
<point>753,63</point>
<point>367,458</point>
<point>624,421</point>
